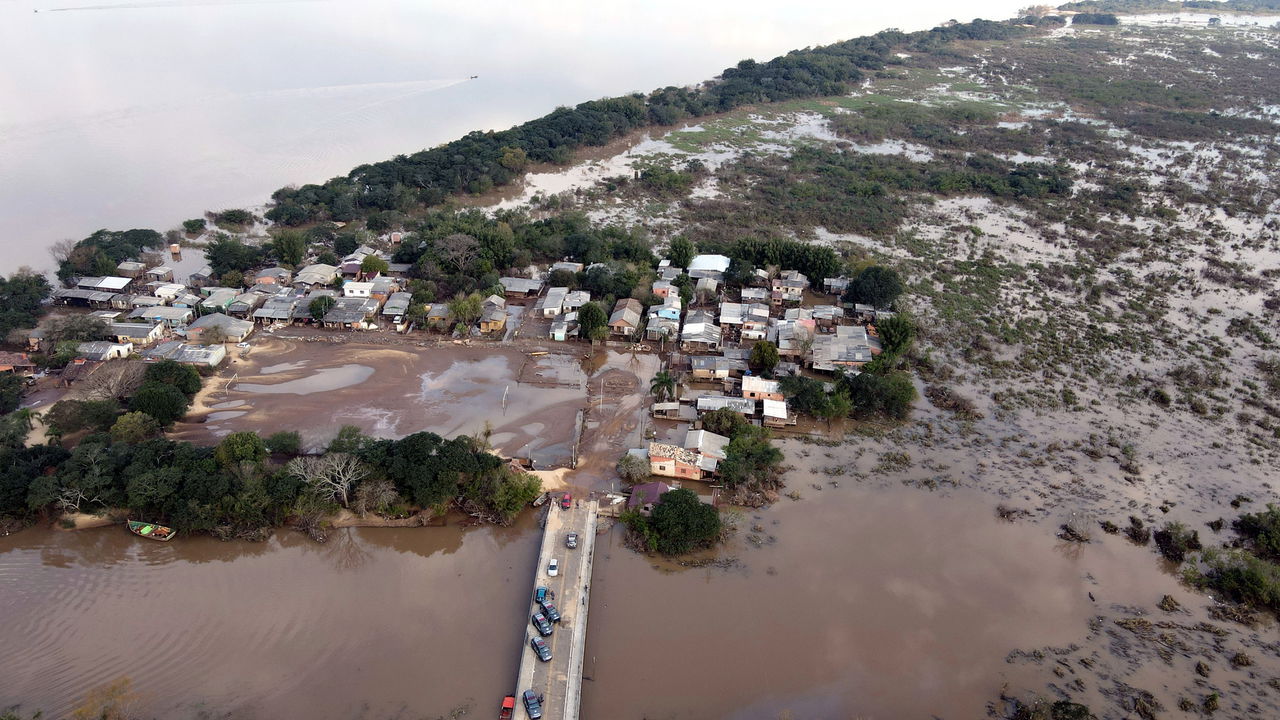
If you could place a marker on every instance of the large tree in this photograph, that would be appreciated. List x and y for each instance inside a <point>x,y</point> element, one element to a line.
<point>876,285</point>
<point>682,522</point>
<point>165,403</point>
<point>289,246</point>
<point>21,298</point>
<point>591,317</point>
<point>681,252</point>
<point>763,358</point>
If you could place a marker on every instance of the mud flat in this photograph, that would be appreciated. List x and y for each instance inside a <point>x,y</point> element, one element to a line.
<point>316,388</point>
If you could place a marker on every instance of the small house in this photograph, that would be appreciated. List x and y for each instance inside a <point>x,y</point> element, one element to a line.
<point>663,288</point>
<point>646,496</point>
<point>438,316</point>
<point>160,273</point>
<point>755,387</point>
<point>552,304</point>
<point>755,295</point>
<point>357,289</point>
<point>777,414</point>
<point>137,334</point>
<point>712,266</point>
<point>18,363</point>
<point>662,328</point>
<point>201,277</point>
<point>668,460</point>
<point>575,299</point>
<point>397,306</point>
<point>222,327</point>
<point>172,317</point>
<point>789,287</point>
<point>625,320</point>
<point>742,406</point>
<point>131,269</point>
<point>199,355</point>
<point>494,315</point>
<point>520,287</point>
<point>835,285</point>
<point>273,276</point>
<point>277,308</point>
<point>313,275</point>
<point>103,350</point>
<point>565,327</point>
<point>700,334</point>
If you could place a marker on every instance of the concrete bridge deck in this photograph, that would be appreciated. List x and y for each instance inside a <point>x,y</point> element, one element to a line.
<point>560,680</point>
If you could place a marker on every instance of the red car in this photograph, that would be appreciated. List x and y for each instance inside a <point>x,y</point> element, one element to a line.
<point>566,502</point>
<point>508,708</point>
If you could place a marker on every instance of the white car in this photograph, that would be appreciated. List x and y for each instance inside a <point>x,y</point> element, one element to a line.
<point>553,567</point>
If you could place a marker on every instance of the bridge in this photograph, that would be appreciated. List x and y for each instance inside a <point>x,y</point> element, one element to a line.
<point>559,681</point>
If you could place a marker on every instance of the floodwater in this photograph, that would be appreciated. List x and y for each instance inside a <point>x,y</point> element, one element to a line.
<point>143,114</point>
<point>365,626</point>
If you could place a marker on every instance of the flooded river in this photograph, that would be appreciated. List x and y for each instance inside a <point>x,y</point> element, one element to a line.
<point>879,604</point>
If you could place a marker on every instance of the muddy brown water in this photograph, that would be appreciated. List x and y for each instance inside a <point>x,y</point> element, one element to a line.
<point>880,604</point>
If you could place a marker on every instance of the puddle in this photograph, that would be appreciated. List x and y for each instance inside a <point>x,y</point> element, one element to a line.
<point>322,380</point>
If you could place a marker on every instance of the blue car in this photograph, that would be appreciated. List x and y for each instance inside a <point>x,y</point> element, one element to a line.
<point>540,647</point>
<point>533,704</point>
<point>540,595</point>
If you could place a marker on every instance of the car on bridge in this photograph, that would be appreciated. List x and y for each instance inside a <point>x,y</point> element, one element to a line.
<point>571,540</point>
<point>508,709</point>
<point>533,704</point>
<point>553,568</point>
<point>540,594</point>
<point>566,502</point>
<point>540,622</point>
<point>549,609</point>
<point>541,648</point>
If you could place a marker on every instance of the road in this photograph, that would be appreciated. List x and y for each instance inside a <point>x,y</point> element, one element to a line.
<point>560,680</point>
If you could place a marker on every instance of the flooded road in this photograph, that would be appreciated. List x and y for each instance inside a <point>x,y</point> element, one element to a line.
<point>374,622</point>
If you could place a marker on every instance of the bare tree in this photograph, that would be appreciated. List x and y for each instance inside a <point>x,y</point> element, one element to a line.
<point>115,380</point>
<point>458,250</point>
<point>374,495</point>
<point>329,476</point>
<point>70,498</point>
<point>61,250</point>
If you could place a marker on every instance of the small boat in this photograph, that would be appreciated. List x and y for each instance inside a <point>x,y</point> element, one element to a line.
<point>151,531</point>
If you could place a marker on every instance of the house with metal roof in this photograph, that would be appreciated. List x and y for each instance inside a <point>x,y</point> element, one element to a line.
<point>130,269</point>
<point>552,304</point>
<point>83,298</point>
<point>522,287</point>
<point>212,325</point>
<point>755,387</point>
<point>700,334</point>
<point>775,413</point>
<point>575,299</point>
<point>493,316</point>
<point>712,266</point>
<point>397,305</point>
<point>277,308</point>
<point>162,273</point>
<point>219,299</point>
<point>848,349</point>
<point>104,284</point>
<point>137,334</point>
<point>103,350</point>
<point>172,317</point>
<point>625,319</point>
<point>312,275</point>
<point>565,326</point>
<point>707,403</point>
<point>202,355</point>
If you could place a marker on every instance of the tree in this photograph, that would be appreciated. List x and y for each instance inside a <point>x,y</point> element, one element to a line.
<point>79,328</point>
<point>330,476</point>
<point>457,250</point>
<point>590,318</point>
<point>563,278</point>
<point>321,307</point>
<point>21,300</point>
<point>896,334</point>
<point>114,380</point>
<point>11,389</point>
<point>763,358</point>
<point>170,372</point>
<point>662,386</point>
<point>240,447</point>
<point>285,442</point>
<point>514,159</point>
<point>373,265</point>
<point>681,252</point>
<point>232,279</point>
<point>750,459</point>
<point>683,523</point>
<point>838,405</point>
<point>345,244</point>
<point>213,335</point>
<point>375,495</point>
<point>806,395</point>
<point>513,493</point>
<point>467,309</point>
<point>165,403</point>
<point>877,286</point>
<point>891,394</point>
<point>724,421</point>
<point>134,427</point>
<point>71,415</point>
<point>349,439</point>
<point>194,226</point>
<point>226,253</point>
<point>631,468</point>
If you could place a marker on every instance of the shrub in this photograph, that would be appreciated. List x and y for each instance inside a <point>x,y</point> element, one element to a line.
<point>1263,531</point>
<point>164,402</point>
<point>285,442</point>
<point>1174,541</point>
<point>134,427</point>
<point>194,225</point>
<point>632,469</point>
<point>1242,577</point>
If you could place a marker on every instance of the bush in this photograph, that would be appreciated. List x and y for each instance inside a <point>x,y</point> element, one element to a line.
<point>134,427</point>
<point>1241,577</point>
<point>68,416</point>
<point>681,522</point>
<point>194,226</point>
<point>1263,532</point>
<point>166,403</point>
<point>169,372</point>
<point>1174,541</point>
<point>285,442</point>
<point>876,286</point>
<point>240,447</point>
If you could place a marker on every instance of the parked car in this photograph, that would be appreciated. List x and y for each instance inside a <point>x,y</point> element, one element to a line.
<point>540,648</point>
<point>549,609</point>
<point>553,567</point>
<point>508,709</point>
<point>540,622</point>
<point>533,704</point>
<point>571,540</point>
<point>540,594</point>
<point>566,502</point>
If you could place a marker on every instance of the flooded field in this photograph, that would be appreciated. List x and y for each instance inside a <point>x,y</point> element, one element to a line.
<point>529,403</point>
<point>370,625</point>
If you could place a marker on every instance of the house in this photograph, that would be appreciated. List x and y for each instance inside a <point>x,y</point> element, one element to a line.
<point>494,316</point>
<point>552,304</point>
<point>277,308</point>
<point>219,299</point>
<point>776,414</point>
<point>84,298</point>
<point>732,313</point>
<point>707,444</point>
<point>664,288</point>
<point>160,273</point>
<point>707,403</point>
<point>438,316</point>
<point>18,363</point>
<point>788,287</point>
<point>670,461</point>
<point>710,367</point>
<point>110,284</point>
<point>397,306</point>
<point>312,275</point>
<point>352,313</point>
<point>835,285</point>
<point>573,267</point>
<point>185,299</point>
<point>700,334</point>
<point>200,277</point>
<point>755,295</point>
<point>793,336</point>
<point>666,272</point>
<point>575,299</point>
<point>357,289</point>
<point>383,287</point>
<point>138,301</point>
<point>202,355</point>
<point>849,348</point>
<point>827,316</point>
<point>137,334</point>
<point>755,322</point>
<point>755,387</point>
<point>712,266</point>
<point>399,268</point>
<point>131,269</point>
<point>647,495</point>
<point>273,276</point>
<point>520,287</point>
<point>172,317</point>
<point>674,410</point>
<point>565,327</point>
<point>662,328</point>
<point>245,303</point>
<point>103,350</point>
<point>207,329</point>
<point>77,370</point>
<point>625,320</point>
<point>706,287</point>
<point>671,308</point>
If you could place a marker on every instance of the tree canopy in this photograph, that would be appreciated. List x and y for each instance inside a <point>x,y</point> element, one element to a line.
<point>21,298</point>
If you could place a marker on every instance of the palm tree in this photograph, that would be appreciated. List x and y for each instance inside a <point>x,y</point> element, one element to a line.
<point>663,385</point>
